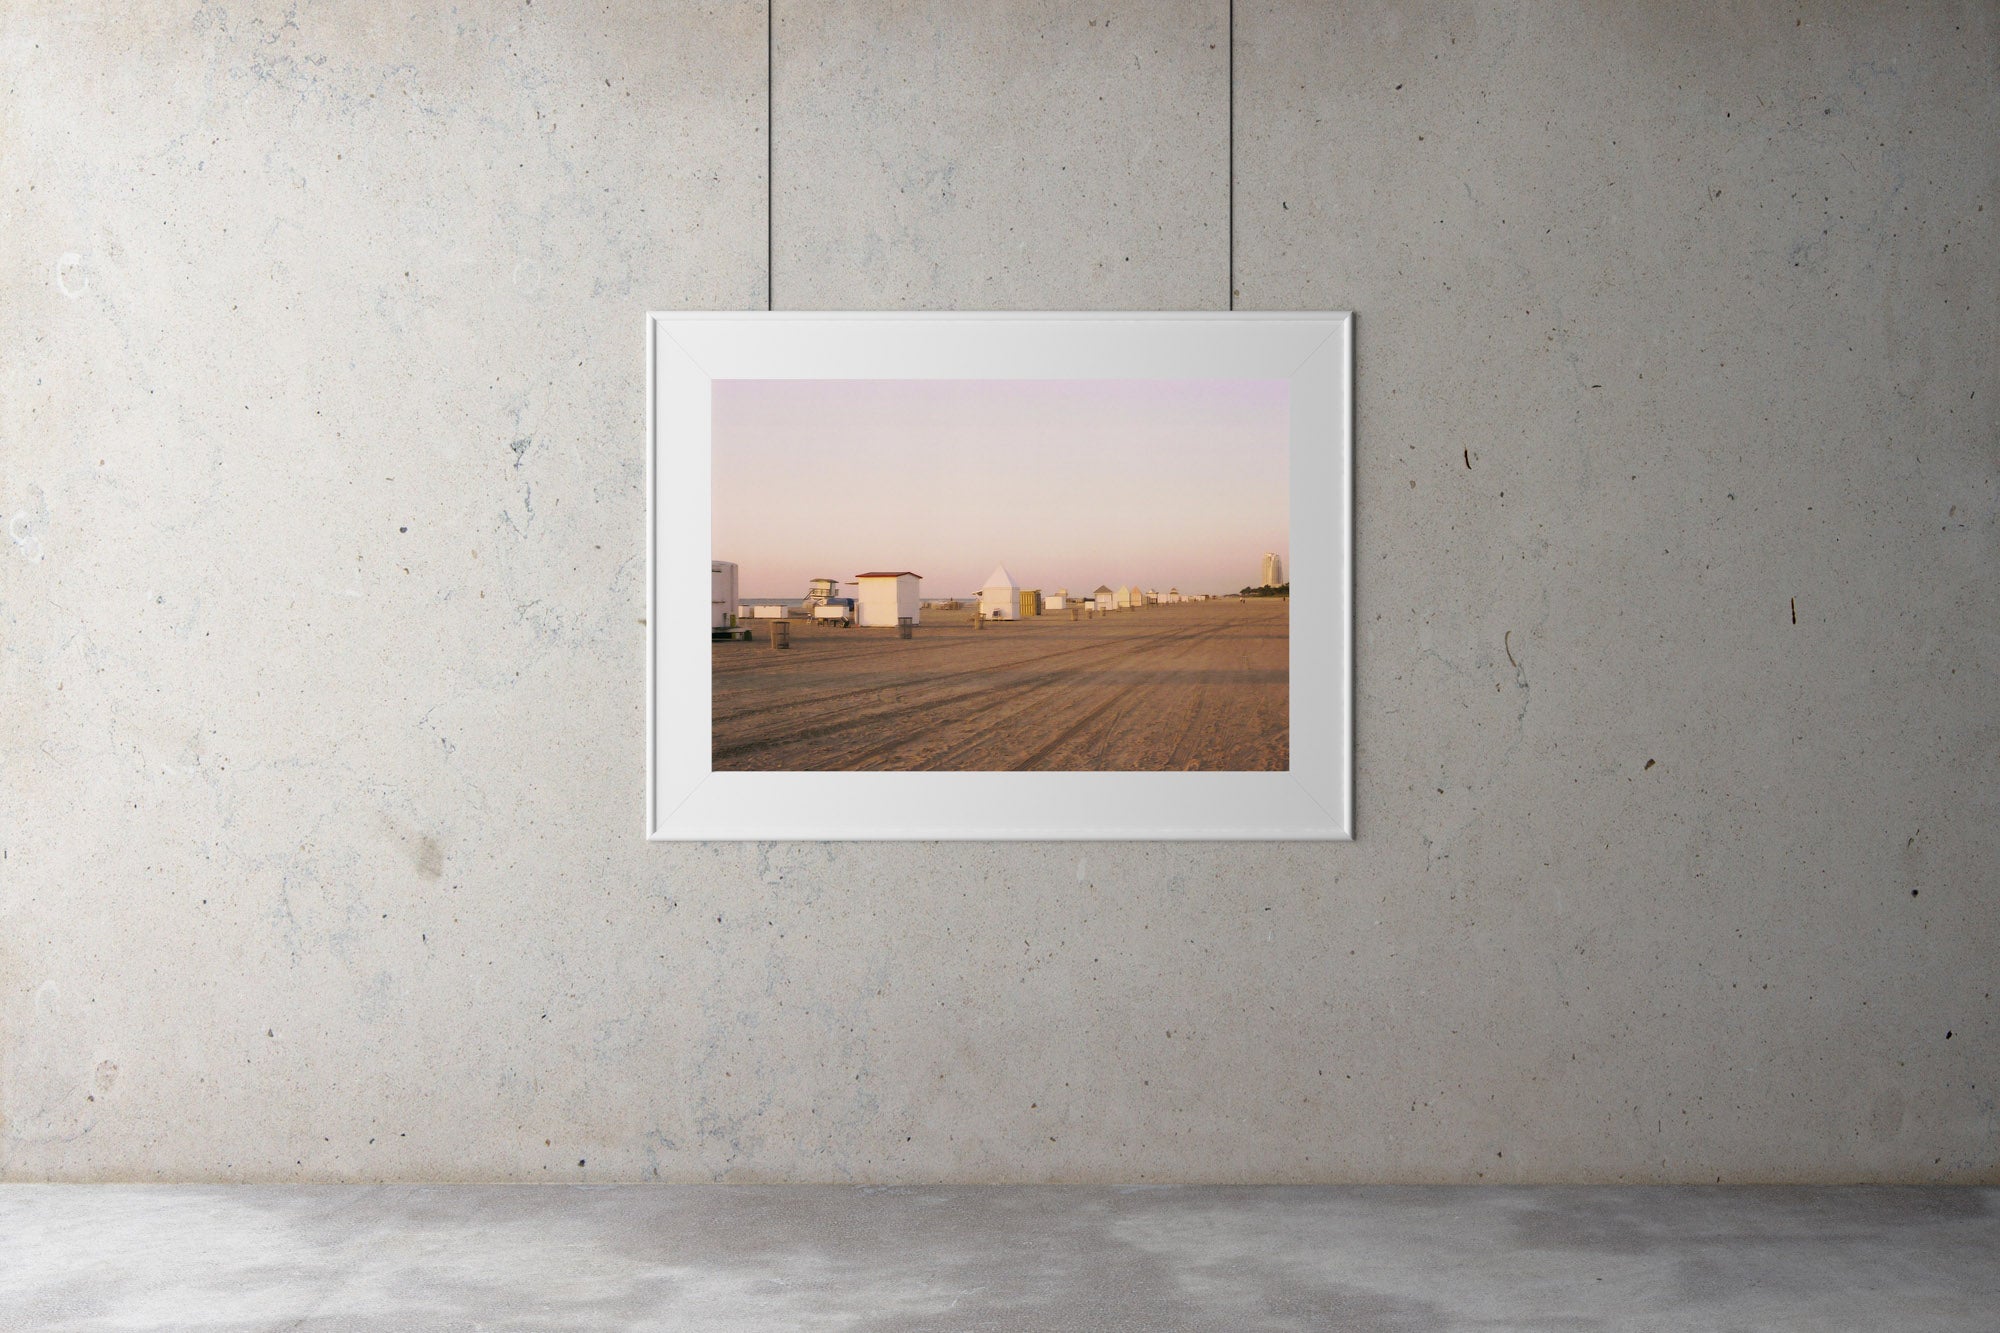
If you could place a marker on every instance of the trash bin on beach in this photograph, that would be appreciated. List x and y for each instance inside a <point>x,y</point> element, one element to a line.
<point>781,634</point>
<point>903,624</point>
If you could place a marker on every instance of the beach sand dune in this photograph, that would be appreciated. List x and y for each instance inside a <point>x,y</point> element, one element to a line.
<point>1167,688</point>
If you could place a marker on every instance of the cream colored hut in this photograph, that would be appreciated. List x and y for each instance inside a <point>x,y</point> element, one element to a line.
<point>1000,599</point>
<point>1106,598</point>
<point>887,596</point>
<point>1127,597</point>
<point>722,594</point>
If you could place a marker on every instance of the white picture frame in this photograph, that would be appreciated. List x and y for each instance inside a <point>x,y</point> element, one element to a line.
<point>687,801</point>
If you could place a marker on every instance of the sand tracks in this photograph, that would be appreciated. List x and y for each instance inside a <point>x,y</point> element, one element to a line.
<point>1168,688</point>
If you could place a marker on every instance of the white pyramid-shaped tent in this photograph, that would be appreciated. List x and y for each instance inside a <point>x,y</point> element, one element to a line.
<point>1000,599</point>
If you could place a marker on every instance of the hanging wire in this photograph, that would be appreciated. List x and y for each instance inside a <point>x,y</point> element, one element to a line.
<point>770,155</point>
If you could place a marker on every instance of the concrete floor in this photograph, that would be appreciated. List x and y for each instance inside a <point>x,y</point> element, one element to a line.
<point>1059,1258</point>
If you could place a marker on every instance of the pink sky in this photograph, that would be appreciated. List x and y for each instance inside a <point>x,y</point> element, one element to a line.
<point>1068,483</point>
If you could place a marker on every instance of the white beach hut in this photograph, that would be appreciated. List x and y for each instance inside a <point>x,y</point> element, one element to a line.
<point>1106,598</point>
<point>722,594</point>
<point>1000,599</point>
<point>887,596</point>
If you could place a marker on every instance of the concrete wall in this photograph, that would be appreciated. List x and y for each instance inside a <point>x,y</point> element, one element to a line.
<point>1679,638</point>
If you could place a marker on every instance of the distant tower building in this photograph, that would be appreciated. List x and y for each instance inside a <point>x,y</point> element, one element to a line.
<point>1274,571</point>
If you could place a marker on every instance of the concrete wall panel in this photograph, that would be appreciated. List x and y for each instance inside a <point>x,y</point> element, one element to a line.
<point>1041,155</point>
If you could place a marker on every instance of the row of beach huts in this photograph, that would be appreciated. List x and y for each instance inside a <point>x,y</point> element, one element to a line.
<point>888,598</point>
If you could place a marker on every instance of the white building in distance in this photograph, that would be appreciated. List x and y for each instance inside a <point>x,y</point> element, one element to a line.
<point>1000,599</point>
<point>887,596</point>
<point>1273,574</point>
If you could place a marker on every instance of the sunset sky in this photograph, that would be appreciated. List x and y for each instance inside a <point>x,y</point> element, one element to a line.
<point>1068,483</point>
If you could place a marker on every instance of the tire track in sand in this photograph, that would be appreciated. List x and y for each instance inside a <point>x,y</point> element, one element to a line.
<point>1096,729</point>
<point>922,696</point>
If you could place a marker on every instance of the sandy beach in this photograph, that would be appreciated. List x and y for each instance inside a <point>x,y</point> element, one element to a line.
<point>1167,688</point>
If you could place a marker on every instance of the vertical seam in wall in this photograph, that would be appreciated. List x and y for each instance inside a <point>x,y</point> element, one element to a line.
<point>1232,154</point>
<point>770,154</point>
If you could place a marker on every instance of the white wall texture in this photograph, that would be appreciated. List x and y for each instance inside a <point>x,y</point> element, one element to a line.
<point>321,599</point>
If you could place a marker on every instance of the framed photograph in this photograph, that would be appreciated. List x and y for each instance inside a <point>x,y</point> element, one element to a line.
<point>999,576</point>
